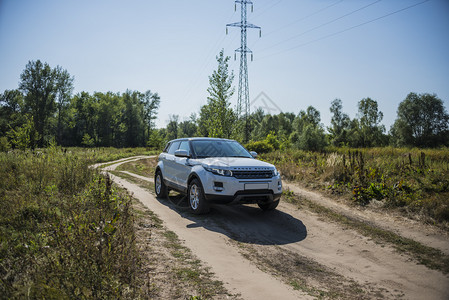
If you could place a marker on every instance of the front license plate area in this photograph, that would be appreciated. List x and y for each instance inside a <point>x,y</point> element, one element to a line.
<point>256,186</point>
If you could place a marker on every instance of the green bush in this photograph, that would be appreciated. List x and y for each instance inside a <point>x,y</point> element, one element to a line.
<point>259,147</point>
<point>272,140</point>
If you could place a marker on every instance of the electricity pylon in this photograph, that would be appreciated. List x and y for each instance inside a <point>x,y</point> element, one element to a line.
<point>243,106</point>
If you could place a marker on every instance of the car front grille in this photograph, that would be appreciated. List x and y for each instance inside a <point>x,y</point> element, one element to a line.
<point>252,174</point>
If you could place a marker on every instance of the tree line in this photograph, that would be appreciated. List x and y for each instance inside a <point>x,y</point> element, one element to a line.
<point>43,110</point>
<point>422,121</point>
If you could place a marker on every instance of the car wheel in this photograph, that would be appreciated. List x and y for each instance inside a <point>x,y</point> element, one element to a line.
<point>268,206</point>
<point>159,186</point>
<point>197,202</point>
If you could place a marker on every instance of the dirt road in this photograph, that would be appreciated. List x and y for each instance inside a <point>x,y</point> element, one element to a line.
<point>293,253</point>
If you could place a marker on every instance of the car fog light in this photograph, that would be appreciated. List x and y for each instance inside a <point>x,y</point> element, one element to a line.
<point>218,186</point>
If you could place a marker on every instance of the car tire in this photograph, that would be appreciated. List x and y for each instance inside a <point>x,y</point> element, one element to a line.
<point>268,206</point>
<point>159,186</point>
<point>197,202</point>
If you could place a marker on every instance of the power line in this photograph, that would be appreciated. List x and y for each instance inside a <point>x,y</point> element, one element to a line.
<point>322,25</point>
<point>265,9</point>
<point>299,20</point>
<point>303,18</point>
<point>195,80</point>
<point>347,29</point>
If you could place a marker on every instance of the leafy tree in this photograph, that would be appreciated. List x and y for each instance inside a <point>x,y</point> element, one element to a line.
<point>63,90</point>
<point>188,127</point>
<point>87,141</point>
<point>151,103</point>
<point>156,139</point>
<point>11,110</point>
<point>12,101</point>
<point>421,121</point>
<point>281,124</point>
<point>217,119</point>
<point>309,133</point>
<point>286,123</point>
<point>340,124</point>
<point>38,83</point>
<point>172,127</point>
<point>267,124</point>
<point>133,119</point>
<point>309,117</point>
<point>42,87</point>
<point>83,118</point>
<point>371,131</point>
<point>20,137</point>
<point>312,138</point>
<point>256,118</point>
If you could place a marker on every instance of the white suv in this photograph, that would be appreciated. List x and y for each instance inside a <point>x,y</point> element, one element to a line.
<point>221,171</point>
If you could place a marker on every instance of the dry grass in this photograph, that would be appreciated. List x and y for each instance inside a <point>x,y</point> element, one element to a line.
<point>413,180</point>
<point>143,167</point>
<point>65,231</point>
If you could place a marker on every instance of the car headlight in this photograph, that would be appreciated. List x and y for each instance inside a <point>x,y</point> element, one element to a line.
<point>217,171</point>
<point>275,172</point>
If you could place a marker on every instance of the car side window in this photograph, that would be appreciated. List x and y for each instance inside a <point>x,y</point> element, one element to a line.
<point>166,147</point>
<point>185,146</point>
<point>173,147</point>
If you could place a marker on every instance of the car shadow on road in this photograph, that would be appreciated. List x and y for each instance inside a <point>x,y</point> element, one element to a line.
<point>247,223</point>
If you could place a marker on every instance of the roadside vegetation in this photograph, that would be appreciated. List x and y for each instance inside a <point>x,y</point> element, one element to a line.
<point>65,230</point>
<point>415,181</point>
<point>105,154</point>
<point>142,167</point>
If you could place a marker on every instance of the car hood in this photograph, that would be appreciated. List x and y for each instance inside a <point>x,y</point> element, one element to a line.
<point>235,163</point>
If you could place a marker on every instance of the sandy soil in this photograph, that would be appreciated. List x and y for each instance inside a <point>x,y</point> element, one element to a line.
<point>258,254</point>
<point>425,234</point>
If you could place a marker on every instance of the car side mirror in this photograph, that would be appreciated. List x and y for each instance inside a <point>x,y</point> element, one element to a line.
<point>182,153</point>
<point>253,154</point>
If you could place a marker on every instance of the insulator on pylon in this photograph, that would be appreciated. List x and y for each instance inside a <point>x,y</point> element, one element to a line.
<point>252,7</point>
<point>235,56</point>
<point>251,57</point>
<point>235,6</point>
<point>226,29</point>
<point>260,33</point>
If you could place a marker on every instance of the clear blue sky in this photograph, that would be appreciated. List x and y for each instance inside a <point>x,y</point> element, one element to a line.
<point>169,47</point>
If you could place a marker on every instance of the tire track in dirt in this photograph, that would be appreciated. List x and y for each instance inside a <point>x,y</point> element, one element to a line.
<point>425,234</point>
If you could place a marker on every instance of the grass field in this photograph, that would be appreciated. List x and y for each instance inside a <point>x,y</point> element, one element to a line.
<point>65,231</point>
<point>413,180</point>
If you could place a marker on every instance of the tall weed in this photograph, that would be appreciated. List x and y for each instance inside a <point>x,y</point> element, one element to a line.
<point>65,232</point>
<point>414,179</point>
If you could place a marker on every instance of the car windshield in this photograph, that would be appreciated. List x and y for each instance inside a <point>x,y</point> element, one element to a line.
<point>205,148</point>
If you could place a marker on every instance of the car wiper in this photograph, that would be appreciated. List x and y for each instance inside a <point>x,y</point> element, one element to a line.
<point>239,156</point>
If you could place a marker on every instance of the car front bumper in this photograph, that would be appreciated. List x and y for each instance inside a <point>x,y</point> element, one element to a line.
<point>243,197</point>
<point>230,190</point>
